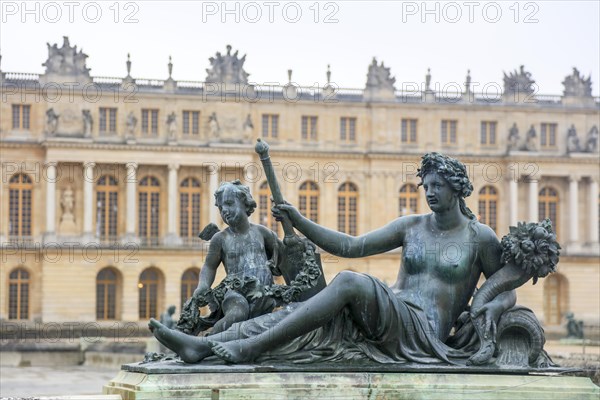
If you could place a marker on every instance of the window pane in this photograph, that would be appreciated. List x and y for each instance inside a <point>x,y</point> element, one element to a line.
<point>26,114</point>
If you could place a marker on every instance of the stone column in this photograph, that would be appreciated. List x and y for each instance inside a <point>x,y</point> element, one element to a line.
<point>249,175</point>
<point>574,209</point>
<point>533,201</point>
<point>88,200</point>
<point>513,201</point>
<point>4,227</point>
<point>213,185</point>
<point>593,212</point>
<point>50,235</point>
<point>172,238</point>
<point>131,210</point>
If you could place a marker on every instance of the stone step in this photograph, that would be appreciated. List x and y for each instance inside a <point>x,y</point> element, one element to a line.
<point>83,397</point>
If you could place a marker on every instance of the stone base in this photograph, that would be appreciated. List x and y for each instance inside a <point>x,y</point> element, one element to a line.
<point>249,382</point>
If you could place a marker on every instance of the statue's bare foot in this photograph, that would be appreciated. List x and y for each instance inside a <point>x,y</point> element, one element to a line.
<point>236,351</point>
<point>191,349</point>
<point>154,326</point>
<point>485,353</point>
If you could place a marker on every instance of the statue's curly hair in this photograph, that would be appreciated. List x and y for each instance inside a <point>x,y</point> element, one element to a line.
<point>242,192</point>
<point>453,171</point>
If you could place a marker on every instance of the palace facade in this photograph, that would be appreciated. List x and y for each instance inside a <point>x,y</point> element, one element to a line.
<point>106,182</point>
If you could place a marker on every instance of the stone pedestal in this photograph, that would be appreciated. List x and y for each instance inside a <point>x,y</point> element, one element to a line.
<point>67,225</point>
<point>175,381</point>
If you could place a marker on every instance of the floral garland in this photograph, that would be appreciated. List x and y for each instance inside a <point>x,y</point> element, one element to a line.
<point>250,286</point>
<point>191,322</point>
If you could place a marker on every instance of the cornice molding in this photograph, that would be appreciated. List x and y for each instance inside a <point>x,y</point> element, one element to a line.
<point>296,152</point>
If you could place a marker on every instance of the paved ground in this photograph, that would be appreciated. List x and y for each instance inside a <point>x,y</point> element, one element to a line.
<point>48,381</point>
<point>82,380</point>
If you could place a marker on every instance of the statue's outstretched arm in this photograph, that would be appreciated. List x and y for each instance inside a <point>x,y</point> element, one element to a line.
<point>387,238</point>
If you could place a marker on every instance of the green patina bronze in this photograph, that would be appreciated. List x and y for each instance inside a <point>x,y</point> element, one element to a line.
<point>424,318</point>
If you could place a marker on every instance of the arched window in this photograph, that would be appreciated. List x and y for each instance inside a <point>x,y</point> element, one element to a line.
<point>556,298</point>
<point>18,294</point>
<point>409,200</point>
<point>20,188</point>
<point>149,207</point>
<point>308,200</point>
<point>189,283</point>
<point>548,206</point>
<point>347,208</point>
<point>150,287</point>
<point>488,206</point>
<point>189,207</point>
<point>107,207</point>
<point>264,208</point>
<point>106,294</point>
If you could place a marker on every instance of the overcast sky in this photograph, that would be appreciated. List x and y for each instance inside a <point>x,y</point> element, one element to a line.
<point>548,37</point>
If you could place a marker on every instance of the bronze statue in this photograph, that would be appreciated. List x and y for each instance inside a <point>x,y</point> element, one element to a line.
<point>248,252</point>
<point>166,318</point>
<point>574,327</point>
<point>358,316</point>
<point>530,250</point>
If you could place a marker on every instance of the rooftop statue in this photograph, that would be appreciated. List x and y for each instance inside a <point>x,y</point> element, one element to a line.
<point>577,85</point>
<point>227,68</point>
<point>359,318</point>
<point>518,82</point>
<point>379,77</point>
<point>66,60</point>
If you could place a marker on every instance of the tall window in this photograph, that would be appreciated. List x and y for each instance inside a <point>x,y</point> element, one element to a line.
<point>409,130</point>
<point>309,128</point>
<point>107,196</point>
<point>488,133</point>
<point>20,188</point>
<point>191,122</point>
<point>106,294</point>
<point>488,203</point>
<point>308,200</point>
<point>348,129</point>
<point>448,131</point>
<point>409,200</point>
<point>20,116</point>
<point>18,294</point>
<point>548,206</point>
<point>149,122</point>
<point>270,125</point>
<point>264,208</point>
<point>149,287</point>
<point>347,208</point>
<point>108,120</point>
<point>548,135</point>
<point>556,298</point>
<point>149,207</point>
<point>189,207</point>
<point>189,283</point>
